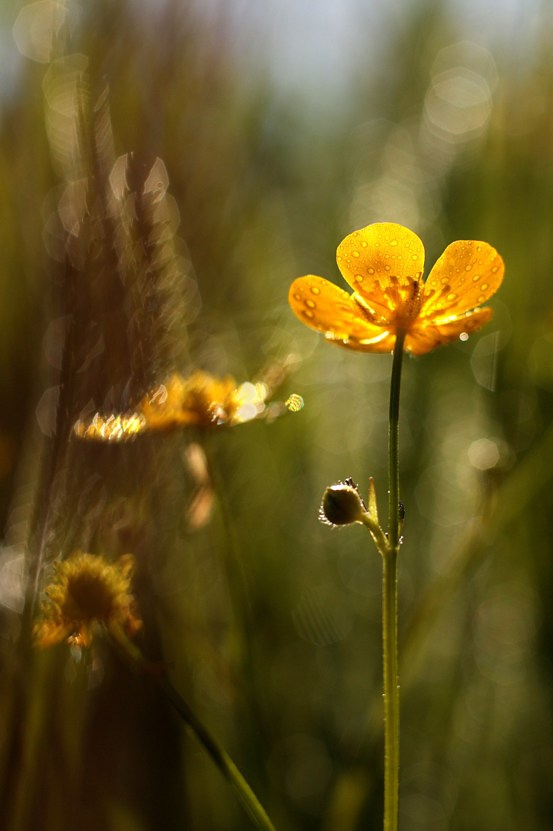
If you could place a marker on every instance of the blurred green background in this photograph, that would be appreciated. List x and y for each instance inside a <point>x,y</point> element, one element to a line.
<point>282,127</point>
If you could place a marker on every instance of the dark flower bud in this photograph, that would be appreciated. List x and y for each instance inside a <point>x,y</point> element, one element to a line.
<point>342,504</point>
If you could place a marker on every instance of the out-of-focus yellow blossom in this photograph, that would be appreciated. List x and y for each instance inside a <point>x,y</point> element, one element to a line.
<point>87,592</point>
<point>383,263</point>
<point>200,400</point>
<point>114,427</point>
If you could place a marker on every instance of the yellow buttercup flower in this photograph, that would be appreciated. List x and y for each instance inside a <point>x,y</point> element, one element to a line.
<point>383,263</point>
<point>87,592</point>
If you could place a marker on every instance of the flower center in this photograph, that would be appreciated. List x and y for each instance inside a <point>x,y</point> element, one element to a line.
<point>408,308</point>
<point>88,597</point>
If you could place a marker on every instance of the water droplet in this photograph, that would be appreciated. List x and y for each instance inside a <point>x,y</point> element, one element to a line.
<point>364,243</point>
<point>315,290</point>
<point>468,267</point>
<point>463,336</point>
<point>484,286</point>
<point>495,269</point>
<point>481,298</point>
<point>297,295</point>
<point>309,314</point>
<point>355,253</point>
<point>414,257</point>
<point>370,270</point>
<point>358,278</point>
<point>388,267</point>
<point>310,303</point>
<point>444,281</point>
<point>476,278</point>
<point>451,296</point>
<point>393,242</point>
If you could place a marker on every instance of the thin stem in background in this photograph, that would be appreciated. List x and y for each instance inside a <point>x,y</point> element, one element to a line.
<point>233,564</point>
<point>238,584</point>
<point>218,754</point>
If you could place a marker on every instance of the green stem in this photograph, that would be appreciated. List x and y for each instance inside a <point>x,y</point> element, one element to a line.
<point>240,595</point>
<point>389,605</point>
<point>393,444</point>
<point>391,690</point>
<point>218,754</point>
<point>236,577</point>
<point>220,757</point>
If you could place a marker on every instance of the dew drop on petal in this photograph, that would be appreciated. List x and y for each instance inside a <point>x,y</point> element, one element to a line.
<point>388,267</point>
<point>315,290</point>
<point>468,267</point>
<point>371,270</point>
<point>393,242</point>
<point>310,303</point>
<point>451,296</point>
<point>358,278</point>
<point>484,286</point>
<point>364,243</point>
<point>444,281</point>
<point>308,313</point>
<point>476,278</point>
<point>355,253</point>
<point>297,295</point>
<point>464,336</point>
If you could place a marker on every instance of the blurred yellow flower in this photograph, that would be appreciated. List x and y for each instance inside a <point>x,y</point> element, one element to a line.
<point>200,400</point>
<point>114,427</point>
<point>87,591</point>
<point>383,263</point>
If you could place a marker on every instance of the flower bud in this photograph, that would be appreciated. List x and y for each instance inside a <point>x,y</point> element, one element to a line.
<point>342,504</point>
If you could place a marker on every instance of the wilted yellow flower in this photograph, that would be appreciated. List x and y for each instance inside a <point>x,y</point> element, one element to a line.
<point>87,591</point>
<point>200,400</point>
<point>383,263</point>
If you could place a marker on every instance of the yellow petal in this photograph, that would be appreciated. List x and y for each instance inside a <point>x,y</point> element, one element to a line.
<point>380,257</point>
<point>465,276</point>
<point>425,336</point>
<point>49,633</point>
<point>326,308</point>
